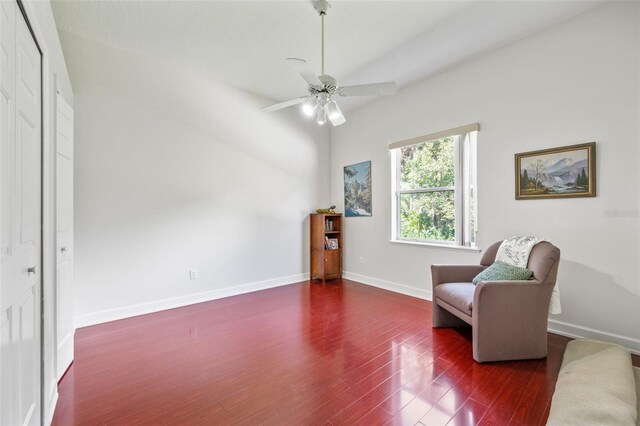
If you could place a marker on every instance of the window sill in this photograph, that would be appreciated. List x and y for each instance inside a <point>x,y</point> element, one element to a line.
<point>436,245</point>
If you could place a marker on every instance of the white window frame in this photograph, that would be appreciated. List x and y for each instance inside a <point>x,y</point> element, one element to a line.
<point>465,187</point>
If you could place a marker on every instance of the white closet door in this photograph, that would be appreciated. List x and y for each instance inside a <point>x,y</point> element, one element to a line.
<point>20,215</point>
<point>64,201</point>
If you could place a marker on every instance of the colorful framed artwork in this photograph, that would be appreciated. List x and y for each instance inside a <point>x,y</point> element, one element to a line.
<point>357,189</point>
<point>564,172</point>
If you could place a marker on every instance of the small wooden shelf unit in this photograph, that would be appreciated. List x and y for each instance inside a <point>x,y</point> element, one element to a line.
<point>326,263</point>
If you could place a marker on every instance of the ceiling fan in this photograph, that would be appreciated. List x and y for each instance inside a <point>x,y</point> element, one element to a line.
<point>323,88</point>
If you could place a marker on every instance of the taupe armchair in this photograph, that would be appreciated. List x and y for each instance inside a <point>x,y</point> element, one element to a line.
<point>508,318</point>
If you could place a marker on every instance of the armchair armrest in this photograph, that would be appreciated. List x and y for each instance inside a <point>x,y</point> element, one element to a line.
<point>441,274</point>
<point>510,319</point>
<point>492,296</point>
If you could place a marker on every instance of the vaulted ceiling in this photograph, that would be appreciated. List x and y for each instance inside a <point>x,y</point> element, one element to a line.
<point>244,43</point>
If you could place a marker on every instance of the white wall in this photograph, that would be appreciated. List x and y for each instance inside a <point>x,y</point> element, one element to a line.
<point>175,172</point>
<point>54,76</point>
<point>575,82</point>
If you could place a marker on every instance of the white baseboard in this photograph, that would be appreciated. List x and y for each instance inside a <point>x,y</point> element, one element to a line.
<point>107,315</point>
<point>578,331</point>
<point>555,326</point>
<point>388,285</point>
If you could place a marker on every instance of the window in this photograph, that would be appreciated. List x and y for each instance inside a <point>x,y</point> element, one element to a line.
<point>435,188</point>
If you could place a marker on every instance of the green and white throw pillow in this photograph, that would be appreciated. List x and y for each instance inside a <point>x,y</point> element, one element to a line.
<point>500,271</point>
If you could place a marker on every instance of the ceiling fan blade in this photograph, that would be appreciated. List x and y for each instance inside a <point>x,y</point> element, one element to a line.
<point>374,89</point>
<point>335,115</point>
<point>285,104</point>
<point>301,67</point>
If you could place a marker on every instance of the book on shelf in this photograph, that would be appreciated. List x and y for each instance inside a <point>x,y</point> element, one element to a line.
<point>328,225</point>
<point>326,243</point>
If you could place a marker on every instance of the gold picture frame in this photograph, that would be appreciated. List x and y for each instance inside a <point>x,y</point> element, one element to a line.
<point>564,172</point>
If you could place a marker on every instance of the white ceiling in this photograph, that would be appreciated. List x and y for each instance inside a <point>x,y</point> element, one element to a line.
<point>244,43</point>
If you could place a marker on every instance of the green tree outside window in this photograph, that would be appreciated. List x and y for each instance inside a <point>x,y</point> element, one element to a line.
<point>429,214</point>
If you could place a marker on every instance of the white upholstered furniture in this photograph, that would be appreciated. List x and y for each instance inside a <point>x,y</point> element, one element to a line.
<point>597,385</point>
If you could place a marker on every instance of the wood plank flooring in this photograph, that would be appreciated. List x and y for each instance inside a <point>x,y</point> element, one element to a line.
<point>342,353</point>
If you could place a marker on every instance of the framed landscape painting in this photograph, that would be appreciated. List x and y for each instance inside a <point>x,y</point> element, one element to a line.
<point>565,172</point>
<point>357,189</point>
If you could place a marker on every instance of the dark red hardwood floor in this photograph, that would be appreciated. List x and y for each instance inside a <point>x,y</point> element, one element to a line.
<point>343,353</point>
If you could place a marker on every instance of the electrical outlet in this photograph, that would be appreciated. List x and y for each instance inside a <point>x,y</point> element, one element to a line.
<point>193,274</point>
<point>361,259</point>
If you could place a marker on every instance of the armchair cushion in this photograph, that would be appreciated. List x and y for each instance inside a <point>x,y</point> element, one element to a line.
<point>458,295</point>
<point>503,271</point>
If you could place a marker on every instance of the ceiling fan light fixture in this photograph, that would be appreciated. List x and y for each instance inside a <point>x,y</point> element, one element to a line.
<point>308,109</point>
<point>321,117</point>
<point>333,111</point>
<point>322,99</point>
